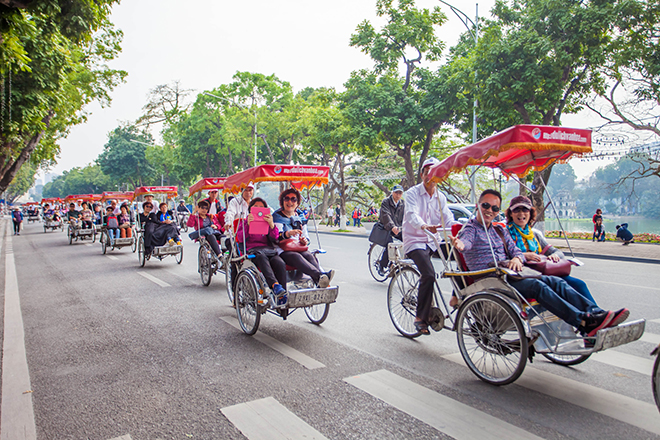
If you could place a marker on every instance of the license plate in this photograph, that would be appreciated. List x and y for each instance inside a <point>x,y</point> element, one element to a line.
<point>305,299</point>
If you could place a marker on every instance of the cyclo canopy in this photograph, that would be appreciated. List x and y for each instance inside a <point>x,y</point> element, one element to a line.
<point>300,176</point>
<point>83,197</point>
<point>518,150</point>
<point>206,184</point>
<point>50,200</point>
<point>169,191</point>
<point>121,195</point>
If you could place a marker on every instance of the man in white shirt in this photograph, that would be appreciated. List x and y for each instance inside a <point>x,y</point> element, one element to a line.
<point>238,206</point>
<point>216,207</point>
<point>425,209</point>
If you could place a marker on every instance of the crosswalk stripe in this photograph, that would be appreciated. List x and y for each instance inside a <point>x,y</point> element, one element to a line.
<point>655,320</point>
<point>112,257</point>
<point>150,277</point>
<point>441,412</point>
<point>650,337</point>
<point>290,352</point>
<point>619,407</point>
<point>268,419</point>
<point>625,360</point>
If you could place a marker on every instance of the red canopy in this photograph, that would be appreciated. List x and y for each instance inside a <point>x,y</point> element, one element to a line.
<point>207,183</point>
<point>121,195</point>
<point>83,197</point>
<point>300,176</point>
<point>51,200</point>
<point>171,191</point>
<point>518,150</point>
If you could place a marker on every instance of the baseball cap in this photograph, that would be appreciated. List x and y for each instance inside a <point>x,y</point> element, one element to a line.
<point>520,201</point>
<point>213,190</point>
<point>397,188</point>
<point>249,185</point>
<point>430,161</point>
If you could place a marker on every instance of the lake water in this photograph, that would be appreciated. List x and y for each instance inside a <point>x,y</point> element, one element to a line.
<point>636,225</point>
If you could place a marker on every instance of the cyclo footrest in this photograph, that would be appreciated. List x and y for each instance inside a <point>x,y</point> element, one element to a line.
<point>167,250</point>
<point>619,335</point>
<point>310,297</point>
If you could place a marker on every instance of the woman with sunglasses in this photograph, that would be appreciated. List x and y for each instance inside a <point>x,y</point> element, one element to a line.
<point>149,223</point>
<point>208,225</point>
<point>293,224</point>
<point>520,216</point>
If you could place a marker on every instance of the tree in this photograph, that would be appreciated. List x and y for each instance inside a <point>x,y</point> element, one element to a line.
<point>52,64</point>
<point>536,61</point>
<point>22,182</point>
<point>124,160</point>
<point>563,178</point>
<point>86,180</point>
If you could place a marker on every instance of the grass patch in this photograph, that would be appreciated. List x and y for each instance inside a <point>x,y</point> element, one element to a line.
<point>343,230</point>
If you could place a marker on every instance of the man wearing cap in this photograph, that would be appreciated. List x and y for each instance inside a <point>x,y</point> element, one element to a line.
<point>425,210</point>
<point>148,198</point>
<point>391,217</point>
<point>216,206</point>
<point>238,206</point>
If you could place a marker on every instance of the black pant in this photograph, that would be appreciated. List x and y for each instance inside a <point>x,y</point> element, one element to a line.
<point>273,269</point>
<point>87,224</point>
<point>422,259</point>
<point>17,227</point>
<point>385,258</point>
<point>213,241</point>
<point>304,262</point>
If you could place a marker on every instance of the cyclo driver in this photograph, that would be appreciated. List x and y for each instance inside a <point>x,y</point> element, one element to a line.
<point>426,209</point>
<point>72,215</point>
<point>391,217</point>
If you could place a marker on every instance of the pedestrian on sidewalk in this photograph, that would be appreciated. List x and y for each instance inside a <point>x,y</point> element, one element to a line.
<point>17,218</point>
<point>623,234</point>
<point>598,215</point>
<point>599,230</point>
<point>337,215</point>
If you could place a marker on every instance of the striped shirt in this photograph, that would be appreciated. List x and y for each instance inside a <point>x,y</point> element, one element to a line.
<point>477,251</point>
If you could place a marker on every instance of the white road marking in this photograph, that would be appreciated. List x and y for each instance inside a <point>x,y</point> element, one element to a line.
<point>88,244</point>
<point>268,419</point>
<point>655,320</point>
<point>441,412</point>
<point>123,437</point>
<point>150,277</point>
<point>626,409</point>
<point>650,337</point>
<point>621,284</point>
<point>290,352</point>
<point>112,257</point>
<point>624,360</point>
<point>16,411</point>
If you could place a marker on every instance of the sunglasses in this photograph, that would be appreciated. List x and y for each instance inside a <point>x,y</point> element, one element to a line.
<point>148,206</point>
<point>486,206</point>
<point>521,209</point>
<point>290,199</point>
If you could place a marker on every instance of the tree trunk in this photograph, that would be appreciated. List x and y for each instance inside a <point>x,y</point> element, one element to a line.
<point>537,196</point>
<point>405,153</point>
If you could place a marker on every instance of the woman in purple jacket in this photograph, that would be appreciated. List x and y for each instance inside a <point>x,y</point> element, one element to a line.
<point>262,246</point>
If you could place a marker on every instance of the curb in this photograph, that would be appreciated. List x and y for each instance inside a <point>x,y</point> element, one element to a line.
<point>577,254</point>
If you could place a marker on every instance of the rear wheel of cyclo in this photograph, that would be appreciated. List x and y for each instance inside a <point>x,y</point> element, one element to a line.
<point>402,301</point>
<point>374,255</point>
<point>142,258</point>
<point>70,232</point>
<point>247,308</point>
<point>317,313</point>
<point>492,339</point>
<point>566,359</point>
<point>104,245</point>
<point>179,257</point>
<point>656,381</point>
<point>134,243</point>
<point>228,280</point>
<point>204,266</point>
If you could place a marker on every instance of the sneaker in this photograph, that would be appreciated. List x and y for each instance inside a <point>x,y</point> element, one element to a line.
<point>280,293</point>
<point>324,281</point>
<point>178,243</point>
<point>170,242</point>
<point>595,322</point>
<point>619,317</point>
<point>330,274</point>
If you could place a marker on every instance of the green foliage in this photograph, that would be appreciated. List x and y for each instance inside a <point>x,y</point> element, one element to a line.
<point>562,179</point>
<point>124,160</point>
<point>86,180</point>
<point>22,182</point>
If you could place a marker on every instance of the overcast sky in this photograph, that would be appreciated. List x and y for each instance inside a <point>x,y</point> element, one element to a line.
<point>203,43</point>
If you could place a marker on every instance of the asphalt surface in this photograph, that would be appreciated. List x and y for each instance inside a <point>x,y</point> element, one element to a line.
<point>112,353</point>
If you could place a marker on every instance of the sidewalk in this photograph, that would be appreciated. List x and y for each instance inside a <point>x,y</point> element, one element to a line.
<point>609,250</point>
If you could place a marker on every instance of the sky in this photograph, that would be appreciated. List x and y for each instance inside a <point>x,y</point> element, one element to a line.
<point>204,43</point>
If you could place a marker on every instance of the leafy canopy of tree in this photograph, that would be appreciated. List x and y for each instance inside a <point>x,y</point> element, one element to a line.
<point>124,160</point>
<point>22,182</point>
<point>86,180</point>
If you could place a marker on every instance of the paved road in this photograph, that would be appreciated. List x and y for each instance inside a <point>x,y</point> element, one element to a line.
<point>119,351</point>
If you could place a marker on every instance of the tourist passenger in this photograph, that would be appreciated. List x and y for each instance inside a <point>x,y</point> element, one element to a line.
<point>206,225</point>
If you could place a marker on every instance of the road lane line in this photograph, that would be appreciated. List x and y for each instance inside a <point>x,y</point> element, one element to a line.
<point>16,411</point>
<point>620,284</point>
<point>123,437</point>
<point>112,257</point>
<point>290,352</point>
<point>650,337</point>
<point>88,244</point>
<point>626,409</point>
<point>268,419</point>
<point>655,320</point>
<point>443,413</point>
<point>624,360</point>
<point>150,277</point>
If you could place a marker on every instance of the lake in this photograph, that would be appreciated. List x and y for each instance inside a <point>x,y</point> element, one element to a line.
<point>636,225</point>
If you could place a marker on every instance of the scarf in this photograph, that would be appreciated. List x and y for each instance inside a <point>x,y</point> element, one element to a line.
<point>524,238</point>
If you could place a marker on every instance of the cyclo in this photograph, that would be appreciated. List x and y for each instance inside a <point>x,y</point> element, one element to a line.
<point>496,327</point>
<point>75,231</point>
<point>207,264</point>
<point>118,243</point>
<point>49,222</point>
<point>252,295</point>
<point>32,212</point>
<point>167,193</point>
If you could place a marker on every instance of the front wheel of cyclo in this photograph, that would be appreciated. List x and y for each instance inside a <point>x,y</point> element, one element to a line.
<point>566,359</point>
<point>317,313</point>
<point>373,257</point>
<point>228,280</point>
<point>247,307</point>
<point>655,380</point>
<point>142,258</point>
<point>492,339</point>
<point>204,266</point>
<point>402,300</point>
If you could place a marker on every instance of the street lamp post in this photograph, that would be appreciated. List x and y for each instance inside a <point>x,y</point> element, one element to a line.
<point>475,34</point>
<point>244,107</point>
